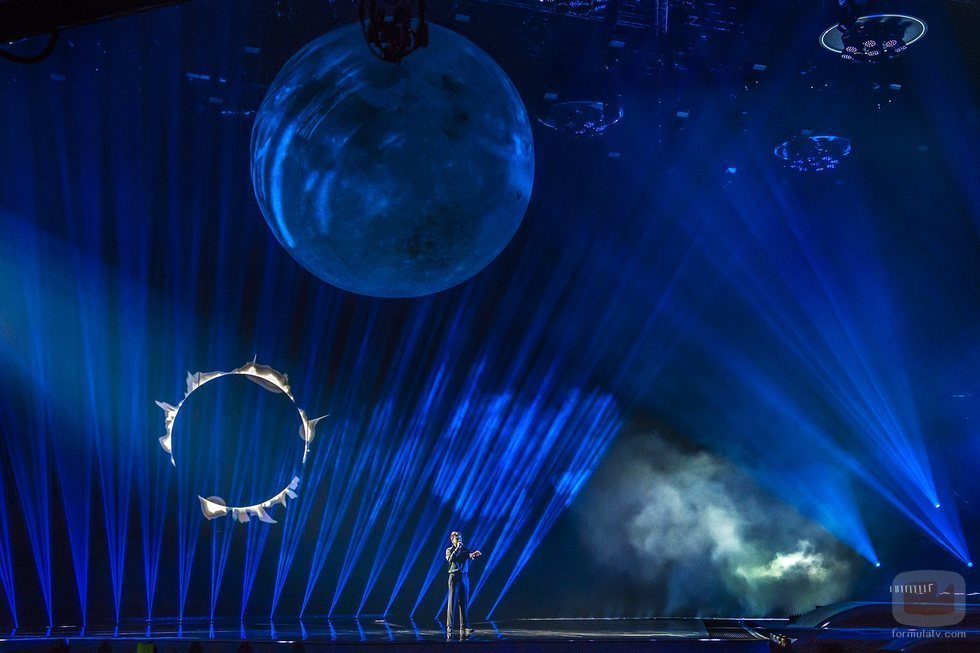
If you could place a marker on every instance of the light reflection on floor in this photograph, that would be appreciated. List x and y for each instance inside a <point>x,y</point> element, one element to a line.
<point>395,630</point>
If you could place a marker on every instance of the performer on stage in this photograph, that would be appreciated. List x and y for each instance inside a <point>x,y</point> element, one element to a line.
<point>458,557</point>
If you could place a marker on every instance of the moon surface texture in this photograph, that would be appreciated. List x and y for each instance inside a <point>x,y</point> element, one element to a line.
<point>392,180</point>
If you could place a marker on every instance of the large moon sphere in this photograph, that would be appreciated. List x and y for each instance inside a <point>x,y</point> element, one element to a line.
<point>392,180</point>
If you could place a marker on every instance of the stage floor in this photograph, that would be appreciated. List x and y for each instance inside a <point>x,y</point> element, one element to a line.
<point>589,634</point>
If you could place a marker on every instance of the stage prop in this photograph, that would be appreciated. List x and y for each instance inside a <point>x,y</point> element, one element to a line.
<point>268,379</point>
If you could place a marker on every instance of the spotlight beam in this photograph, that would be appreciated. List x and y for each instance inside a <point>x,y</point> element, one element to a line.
<point>6,559</point>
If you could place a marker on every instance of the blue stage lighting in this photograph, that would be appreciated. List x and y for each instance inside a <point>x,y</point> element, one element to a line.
<point>938,505</point>
<point>877,563</point>
<point>970,564</point>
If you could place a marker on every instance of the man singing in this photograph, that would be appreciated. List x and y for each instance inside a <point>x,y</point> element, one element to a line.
<point>458,557</point>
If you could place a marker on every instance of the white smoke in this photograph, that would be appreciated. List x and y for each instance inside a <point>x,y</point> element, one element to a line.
<point>689,534</point>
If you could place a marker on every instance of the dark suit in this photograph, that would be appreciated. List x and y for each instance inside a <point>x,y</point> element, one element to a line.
<point>459,586</point>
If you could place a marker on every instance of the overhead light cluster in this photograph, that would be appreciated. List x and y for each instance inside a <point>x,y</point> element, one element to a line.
<point>812,153</point>
<point>582,117</point>
<point>871,39</point>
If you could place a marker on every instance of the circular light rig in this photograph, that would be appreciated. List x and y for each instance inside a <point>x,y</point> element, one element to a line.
<point>582,117</point>
<point>808,153</point>
<point>872,39</point>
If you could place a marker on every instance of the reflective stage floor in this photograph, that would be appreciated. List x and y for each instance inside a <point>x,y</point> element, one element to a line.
<point>390,635</point>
